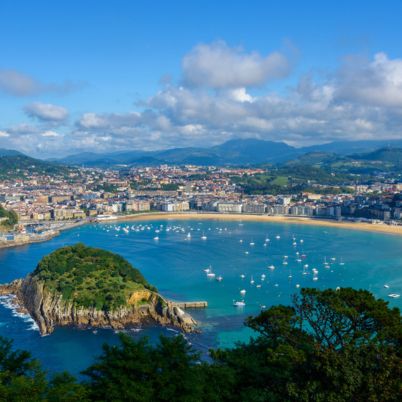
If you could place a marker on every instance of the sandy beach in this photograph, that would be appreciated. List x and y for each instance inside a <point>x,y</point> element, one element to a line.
<point>368,227</point>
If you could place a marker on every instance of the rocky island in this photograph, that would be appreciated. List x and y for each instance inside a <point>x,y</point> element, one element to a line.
<point>89,287</point>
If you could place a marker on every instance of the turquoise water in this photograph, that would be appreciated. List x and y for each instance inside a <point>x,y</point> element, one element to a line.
<point>175,265</point>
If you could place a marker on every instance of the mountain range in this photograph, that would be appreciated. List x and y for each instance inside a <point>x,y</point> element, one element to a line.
<point>233,152</point>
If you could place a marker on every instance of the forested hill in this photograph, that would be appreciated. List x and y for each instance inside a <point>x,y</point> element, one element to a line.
<point>18,166</point>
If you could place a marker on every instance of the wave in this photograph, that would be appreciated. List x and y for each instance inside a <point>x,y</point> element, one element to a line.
<point>8,302</point>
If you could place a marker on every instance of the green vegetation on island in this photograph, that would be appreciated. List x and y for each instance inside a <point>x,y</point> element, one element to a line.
<point>330,345</point>
<point>90,277</point>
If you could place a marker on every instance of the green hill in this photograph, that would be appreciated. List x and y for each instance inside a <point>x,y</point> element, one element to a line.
<point>90,277</point>
<point>18,166</point>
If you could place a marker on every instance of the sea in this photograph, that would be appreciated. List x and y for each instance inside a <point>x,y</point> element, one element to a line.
<point>259,263</point>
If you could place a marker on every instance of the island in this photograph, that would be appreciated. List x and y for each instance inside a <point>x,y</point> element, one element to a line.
<point>89,287</point>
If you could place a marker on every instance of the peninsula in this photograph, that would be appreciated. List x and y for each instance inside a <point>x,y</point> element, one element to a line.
<point>92,288</point>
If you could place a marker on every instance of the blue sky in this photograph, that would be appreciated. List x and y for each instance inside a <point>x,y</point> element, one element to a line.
<point>98,75</point>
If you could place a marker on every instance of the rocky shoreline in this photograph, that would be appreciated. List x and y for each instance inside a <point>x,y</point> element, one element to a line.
<point>49,310</point>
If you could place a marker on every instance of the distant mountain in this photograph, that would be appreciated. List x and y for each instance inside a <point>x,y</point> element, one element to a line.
<point>353,147</point>
<point>316,159</point>
<point>392,155</point>
<point>14,164</point>
<point>9,152</point>
<point>234,152</point>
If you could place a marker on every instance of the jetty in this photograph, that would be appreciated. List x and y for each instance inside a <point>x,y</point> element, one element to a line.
<point>190,304</point>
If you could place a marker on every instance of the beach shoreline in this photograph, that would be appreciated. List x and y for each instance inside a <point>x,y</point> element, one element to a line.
<point>361,226</point>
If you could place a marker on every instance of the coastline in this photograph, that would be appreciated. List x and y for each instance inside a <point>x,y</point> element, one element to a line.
<point>362,226</point>
<point>151,216</point>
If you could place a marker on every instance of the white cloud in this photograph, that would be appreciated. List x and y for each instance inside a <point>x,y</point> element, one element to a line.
<point>46,112</point>
<point>4,134</point>
<point>217,65</point>
<point>357,101</point>
<point>377,82</point>
<point>50,134</point>
<point>16,83</point>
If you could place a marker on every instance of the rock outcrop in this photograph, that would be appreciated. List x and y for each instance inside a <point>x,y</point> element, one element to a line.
<point>49,309</point>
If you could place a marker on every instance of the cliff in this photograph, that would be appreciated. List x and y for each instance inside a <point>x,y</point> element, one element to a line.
<point>49,309</point>
<point>89,287</point>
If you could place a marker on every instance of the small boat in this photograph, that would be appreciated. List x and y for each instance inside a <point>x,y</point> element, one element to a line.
<point>258,286</point>
<point>297,285</point>
<point>277,237</point>
<point>203,237</point>
<point>252,243</point>
<point>239,303</point>
<point>207,270</point>
<point>219,278</point>
<point>252,281</point>
<point>341,262</point>
<point>156,238</point>
<point>243,292</point>
<point>394,295</point>
<point>240,241</point>
<point>386,286</point>
<point>188,235</point>
<point>285,262</point>
<point>271,267</point>
<point>263,277</point>
<point>242,276</point>
<point>211,275</point>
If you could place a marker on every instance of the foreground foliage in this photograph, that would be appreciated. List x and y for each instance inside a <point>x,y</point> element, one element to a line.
<point>90,277</point>
<point>328,346</point>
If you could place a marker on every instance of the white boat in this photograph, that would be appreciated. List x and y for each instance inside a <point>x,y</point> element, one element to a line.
<point>394,295</point>
<point>242,276</point>
<point>277,237</point>
<point>386,286</point>
<point>252,281</point>
<point>188,235</point>
<point>219,278</point>
<point>239,303</point>
<point>285,263</point>
<point>156,238</point>
<point>243,292</point>
<point>211,275</point>
<point>271,267</point>
<point>207,270</point>
<point>203,237</point>
<point>258,286</point>
<point>297,285</point>
<point>252,243</point>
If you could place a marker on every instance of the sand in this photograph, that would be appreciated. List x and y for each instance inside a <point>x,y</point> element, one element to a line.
<point>370,227</point>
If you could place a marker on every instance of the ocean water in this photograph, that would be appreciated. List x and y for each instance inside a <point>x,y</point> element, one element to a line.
<point>175,264</point>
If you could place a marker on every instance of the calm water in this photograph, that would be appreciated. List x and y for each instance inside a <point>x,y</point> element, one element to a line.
<point>175,265</point>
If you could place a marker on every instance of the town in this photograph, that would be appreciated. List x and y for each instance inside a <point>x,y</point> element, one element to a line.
<point>48,203</point>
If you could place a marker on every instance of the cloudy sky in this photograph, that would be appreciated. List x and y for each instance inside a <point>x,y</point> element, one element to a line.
<point>82,76</point>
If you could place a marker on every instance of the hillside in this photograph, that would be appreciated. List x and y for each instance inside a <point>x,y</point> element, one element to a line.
<point>90,277</point>
<point>17,166</point>
<point>88,287</point>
